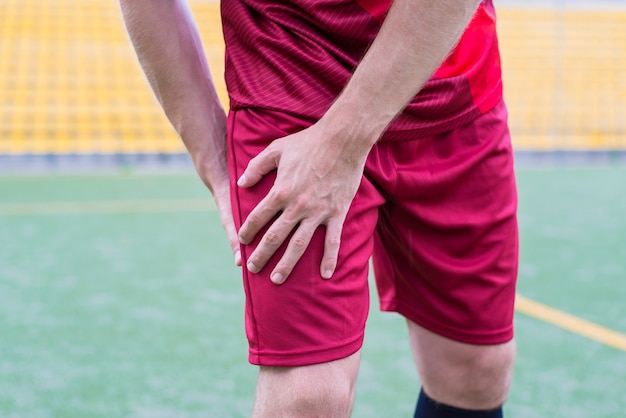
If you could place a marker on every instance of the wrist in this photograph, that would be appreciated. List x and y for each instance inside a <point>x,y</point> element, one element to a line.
<point>352,125</point>
<point>212,170</point>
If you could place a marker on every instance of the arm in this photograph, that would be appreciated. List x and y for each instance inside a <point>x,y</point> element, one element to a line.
<point>320,168</point>
<point>170,52</point>
<point>413,41</point>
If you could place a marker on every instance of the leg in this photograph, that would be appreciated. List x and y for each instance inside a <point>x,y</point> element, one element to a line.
<point>305,334</point>
<point>446,256</point>
<point>319,390</point>
<point>465,376</point>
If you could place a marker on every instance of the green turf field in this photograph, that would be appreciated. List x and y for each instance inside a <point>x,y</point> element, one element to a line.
<point>119,298</point>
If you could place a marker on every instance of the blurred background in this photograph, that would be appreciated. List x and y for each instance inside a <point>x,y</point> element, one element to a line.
<point>118,295</point>
<point>70,84</point>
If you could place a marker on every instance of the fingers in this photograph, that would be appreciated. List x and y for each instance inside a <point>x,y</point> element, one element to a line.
<point>332,242</point>
<point>271,241</point>
<point>260,216</point>
<point>260,165</point>
<point>294,219</point>
<point>295,249</point>
<point>305,195</point>
<point>276,235</point>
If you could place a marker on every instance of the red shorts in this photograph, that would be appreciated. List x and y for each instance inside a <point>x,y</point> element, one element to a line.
<point>436,214</point>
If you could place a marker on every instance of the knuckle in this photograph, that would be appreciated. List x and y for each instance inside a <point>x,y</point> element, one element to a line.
<point>253,220</point>
<point>301,204</point>
<point>272,239</point>
<point>299,244</point>
<point>259,257</point>
<point>280,195</point>
<point>334,242</point>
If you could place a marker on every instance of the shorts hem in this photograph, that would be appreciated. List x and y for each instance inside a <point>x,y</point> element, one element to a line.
<point>500,336</point>
<point>305,358</point>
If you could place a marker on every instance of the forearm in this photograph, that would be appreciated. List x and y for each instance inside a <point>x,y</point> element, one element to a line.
<point>415,38</point>
<point>170,52</point>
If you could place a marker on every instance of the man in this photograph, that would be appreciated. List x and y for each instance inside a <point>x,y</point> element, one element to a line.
<point>356,128</point>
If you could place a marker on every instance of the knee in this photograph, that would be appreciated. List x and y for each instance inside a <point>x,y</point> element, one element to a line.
<point>303,397</point>
<point>322,390</point>
<point>473,377</point>
<point>486,376</point>
<point>320,399</point>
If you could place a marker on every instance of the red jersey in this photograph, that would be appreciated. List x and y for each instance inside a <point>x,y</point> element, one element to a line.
<point>296,56</point>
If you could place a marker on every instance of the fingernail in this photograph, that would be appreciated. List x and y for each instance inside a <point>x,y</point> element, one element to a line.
<point>237,258</point>
<point>277,278</point>
<point>327,274</point>
<point>241,180</point>
<point>252,268</point>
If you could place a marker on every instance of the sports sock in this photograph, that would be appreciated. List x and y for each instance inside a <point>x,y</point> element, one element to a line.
<point>428,408</point>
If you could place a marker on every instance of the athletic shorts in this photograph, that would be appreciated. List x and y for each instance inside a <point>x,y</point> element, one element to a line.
<point>436,215</point>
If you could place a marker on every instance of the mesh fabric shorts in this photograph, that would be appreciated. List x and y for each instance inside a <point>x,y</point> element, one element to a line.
<point>438,217</point>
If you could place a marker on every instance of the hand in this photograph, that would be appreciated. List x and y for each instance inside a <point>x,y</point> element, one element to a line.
<point>317,178</point>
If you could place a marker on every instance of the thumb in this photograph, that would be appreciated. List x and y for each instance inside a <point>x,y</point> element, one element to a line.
<point>263,163</point>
